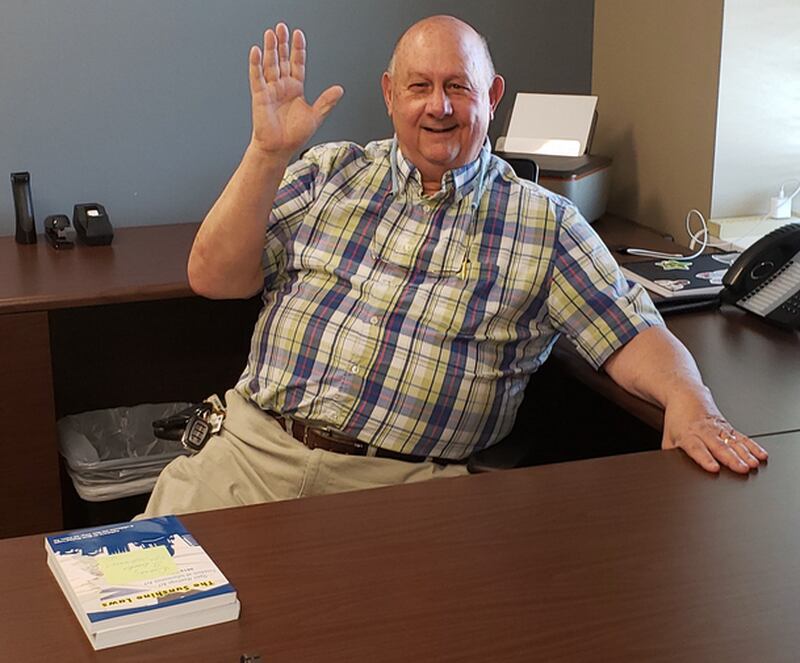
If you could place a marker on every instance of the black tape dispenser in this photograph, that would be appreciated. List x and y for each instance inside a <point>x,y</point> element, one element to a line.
<point>92,224</point>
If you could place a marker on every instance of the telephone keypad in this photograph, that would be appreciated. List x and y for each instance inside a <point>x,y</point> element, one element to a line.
<point>792,305</point>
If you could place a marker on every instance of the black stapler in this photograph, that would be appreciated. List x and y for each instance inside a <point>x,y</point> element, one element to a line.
<point>59,233</point>
<point>92,224</point>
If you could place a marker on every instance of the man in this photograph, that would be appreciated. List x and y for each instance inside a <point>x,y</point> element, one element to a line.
<point>410,288</point>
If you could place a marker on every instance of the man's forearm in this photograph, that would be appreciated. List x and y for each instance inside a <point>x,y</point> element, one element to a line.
<point>656,367</point>
<point>225,261</point>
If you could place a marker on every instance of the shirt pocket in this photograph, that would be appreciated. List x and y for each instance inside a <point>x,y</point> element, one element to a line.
<point>435,249</point>
<point>329,233</point>
<point>459,307</point>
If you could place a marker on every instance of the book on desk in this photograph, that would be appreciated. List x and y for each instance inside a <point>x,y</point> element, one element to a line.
<point>132,581</point>
<point>673,278</point>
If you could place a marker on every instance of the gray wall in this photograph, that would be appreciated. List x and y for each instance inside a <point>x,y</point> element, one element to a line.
<point>143,105</point>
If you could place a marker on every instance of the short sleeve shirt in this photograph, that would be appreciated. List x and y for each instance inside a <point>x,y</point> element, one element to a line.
<point>414,322</point>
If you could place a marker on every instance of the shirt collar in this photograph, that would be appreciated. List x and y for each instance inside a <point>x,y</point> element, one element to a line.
<point>458,181</point>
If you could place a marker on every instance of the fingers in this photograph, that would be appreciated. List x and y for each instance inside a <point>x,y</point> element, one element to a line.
<point>733,455</point>
<point>700,455</point>
<point>327,100</point>
<point>298,57</point>
<point>756,449</point>
<point>271,67</point>
<point>282,32</point>
<point>280,59</point>
<point>739,447</point>
<point>255,71</point>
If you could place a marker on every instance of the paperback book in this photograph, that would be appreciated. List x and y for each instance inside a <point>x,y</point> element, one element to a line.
<point>139,580</point>
<point>671,277</point>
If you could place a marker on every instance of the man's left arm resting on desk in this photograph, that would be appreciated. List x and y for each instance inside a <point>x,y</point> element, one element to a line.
<point>656,367</point>
<point>615,327</point>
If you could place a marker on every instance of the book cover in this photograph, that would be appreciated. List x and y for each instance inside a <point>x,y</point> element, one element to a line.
<point>139,579</point>
<point>671,277</point>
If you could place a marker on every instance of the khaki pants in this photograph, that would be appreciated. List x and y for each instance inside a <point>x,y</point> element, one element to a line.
<point>253,459</point>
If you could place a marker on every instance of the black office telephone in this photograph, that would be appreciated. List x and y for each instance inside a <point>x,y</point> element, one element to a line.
<point>765,279</point>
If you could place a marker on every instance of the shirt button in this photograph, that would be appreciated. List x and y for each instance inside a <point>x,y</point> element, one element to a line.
<point>408,246</point>
<point>374,320</point>
<point>355,368</point>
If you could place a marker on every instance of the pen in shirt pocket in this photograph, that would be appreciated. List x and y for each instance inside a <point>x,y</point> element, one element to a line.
<point>465,267</point>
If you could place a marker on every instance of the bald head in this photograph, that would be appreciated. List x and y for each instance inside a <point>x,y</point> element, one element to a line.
<point>447,27</point>
<point>441,93</point>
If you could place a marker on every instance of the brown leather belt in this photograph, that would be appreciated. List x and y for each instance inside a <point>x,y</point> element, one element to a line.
<point>316,438</point>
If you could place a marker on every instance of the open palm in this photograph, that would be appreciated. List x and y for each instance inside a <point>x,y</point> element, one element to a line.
<point>282,119</point>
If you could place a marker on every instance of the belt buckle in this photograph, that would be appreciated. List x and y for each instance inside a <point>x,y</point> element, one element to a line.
<point>328,432</point>
<point>336,436</point>
<point>324,432</point>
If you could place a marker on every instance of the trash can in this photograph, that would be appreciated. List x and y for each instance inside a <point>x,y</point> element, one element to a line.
<point>113,454</point>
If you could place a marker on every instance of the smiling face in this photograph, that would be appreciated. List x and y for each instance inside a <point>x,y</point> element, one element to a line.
<point>441,95</point>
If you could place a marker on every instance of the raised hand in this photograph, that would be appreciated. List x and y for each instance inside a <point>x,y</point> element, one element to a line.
<point>282,119</point>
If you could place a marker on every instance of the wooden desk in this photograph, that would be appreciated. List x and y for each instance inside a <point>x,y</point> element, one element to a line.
<point>142,264</point>
<point>642,557</point>
<point>97,327</point>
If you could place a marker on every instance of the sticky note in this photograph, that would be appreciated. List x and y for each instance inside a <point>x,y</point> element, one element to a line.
<point>136,565</point>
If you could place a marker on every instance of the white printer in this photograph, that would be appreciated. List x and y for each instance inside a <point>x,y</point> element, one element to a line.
<point>555,132</point>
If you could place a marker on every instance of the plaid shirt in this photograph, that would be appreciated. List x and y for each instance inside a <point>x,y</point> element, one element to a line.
<point>413,322</point>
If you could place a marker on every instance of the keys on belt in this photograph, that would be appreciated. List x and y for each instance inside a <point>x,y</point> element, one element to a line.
<point>194,425</point>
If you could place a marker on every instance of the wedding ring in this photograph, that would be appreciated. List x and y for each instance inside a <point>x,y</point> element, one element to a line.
<point>726,436</point>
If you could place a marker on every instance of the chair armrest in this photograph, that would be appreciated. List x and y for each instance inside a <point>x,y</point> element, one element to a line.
<point>503,455</point>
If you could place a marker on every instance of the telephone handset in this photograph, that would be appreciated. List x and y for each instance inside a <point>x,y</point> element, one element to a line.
<point>765,279</point>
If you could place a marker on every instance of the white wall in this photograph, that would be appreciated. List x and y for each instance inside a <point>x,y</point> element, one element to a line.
<point>758,120</point>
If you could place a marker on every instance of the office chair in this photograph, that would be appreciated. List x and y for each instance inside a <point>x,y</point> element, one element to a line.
<point>525,168</point>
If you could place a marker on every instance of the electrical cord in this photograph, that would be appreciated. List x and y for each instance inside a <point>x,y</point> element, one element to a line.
<point>794,193</point>
<point>702,237</point>
<point>704,243</point>
<point>754,229</point>
<point>781,206</point>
